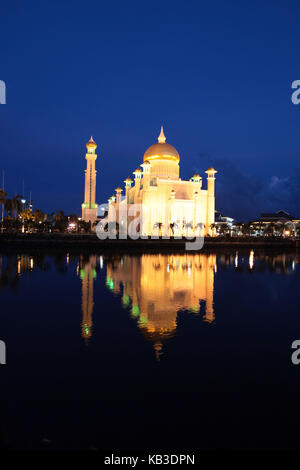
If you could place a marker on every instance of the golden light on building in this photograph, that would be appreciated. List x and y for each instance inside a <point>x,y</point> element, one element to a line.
<point>89,207</point>
<point>170,206</point>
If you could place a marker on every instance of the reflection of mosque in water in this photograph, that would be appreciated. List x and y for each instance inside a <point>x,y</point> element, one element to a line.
<point>156,287</point>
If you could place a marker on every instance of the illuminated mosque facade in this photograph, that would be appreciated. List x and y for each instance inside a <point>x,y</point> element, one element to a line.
<point>168,205</point>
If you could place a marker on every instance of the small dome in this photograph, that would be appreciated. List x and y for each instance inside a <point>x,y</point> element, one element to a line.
<point>211,170</point>
<point>161,150</point>
<point>91,144</point>
<point>138,170</point>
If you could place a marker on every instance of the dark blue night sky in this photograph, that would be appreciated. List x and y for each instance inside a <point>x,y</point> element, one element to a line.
<point>217,75</point>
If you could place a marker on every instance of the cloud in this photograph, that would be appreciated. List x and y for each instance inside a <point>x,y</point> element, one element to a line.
<point>245,196</point>
<point>274,181</point>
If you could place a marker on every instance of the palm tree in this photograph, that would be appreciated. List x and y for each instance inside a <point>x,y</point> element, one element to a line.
<point>279,228</point>
<point>200,226</point>
<point>224,228</point>
<point>159,225</point>
<point>13,206</point>
<point>39,219</point>
<point>73,218</point>
<point>213,227</point>
<point>290,227</point>
<point>8,207</point>
<point>27,218</point>
<point>3,196</point>
<point>84,226</point>
<point>246,229</point>
<point>61,221</point>
<point>259,228</point>
<point>172,226</point>
<point>39,216</point>
<point>238,228</point>
<point>60,216</point>
<point>269,229</point>
<point>188,226</point>
<point>17,204</point>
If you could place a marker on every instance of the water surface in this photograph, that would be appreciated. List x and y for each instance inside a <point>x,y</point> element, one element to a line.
<point>156,351</point>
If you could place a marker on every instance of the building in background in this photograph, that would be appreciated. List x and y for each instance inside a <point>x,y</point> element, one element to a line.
<point>223,223</point>
<point>275,217</point>
<point>276,223</point>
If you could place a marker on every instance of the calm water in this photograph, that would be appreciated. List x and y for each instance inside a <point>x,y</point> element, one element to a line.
<point>150,352</point>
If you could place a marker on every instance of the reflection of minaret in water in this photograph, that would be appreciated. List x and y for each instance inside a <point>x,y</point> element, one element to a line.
<point>209,265</point>
<point>158,349</point>
<point>87,274</point>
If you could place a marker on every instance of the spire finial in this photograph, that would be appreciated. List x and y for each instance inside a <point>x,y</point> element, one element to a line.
<point>91,144</point>
<point>161,137</point>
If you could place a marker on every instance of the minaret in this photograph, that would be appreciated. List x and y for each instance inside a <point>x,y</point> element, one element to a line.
<point>137,184</point>
<point>210,214</point>
<point>128,183</point>
<point>89,207</point>
<point>118,195</point>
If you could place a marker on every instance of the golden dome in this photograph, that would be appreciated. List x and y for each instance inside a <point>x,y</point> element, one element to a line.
<point>91,144</point>
<point>162,150</point>
<point>211,170</point>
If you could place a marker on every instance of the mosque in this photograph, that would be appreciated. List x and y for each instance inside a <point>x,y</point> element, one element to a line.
<point>169,206</point>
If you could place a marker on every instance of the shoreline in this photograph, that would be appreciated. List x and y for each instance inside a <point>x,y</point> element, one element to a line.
<point>90,242</point>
